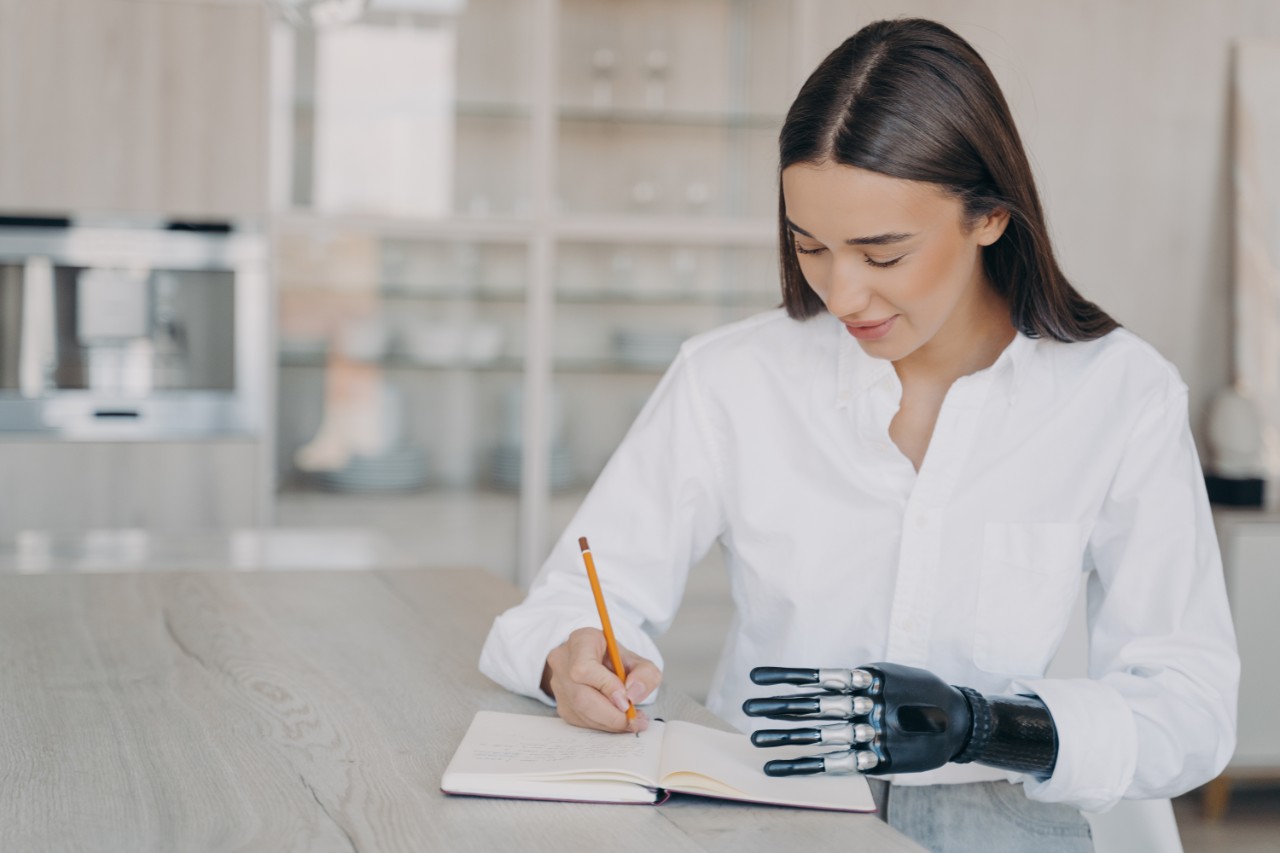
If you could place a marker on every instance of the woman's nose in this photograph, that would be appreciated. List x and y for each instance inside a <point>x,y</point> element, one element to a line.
<point>847,293</point>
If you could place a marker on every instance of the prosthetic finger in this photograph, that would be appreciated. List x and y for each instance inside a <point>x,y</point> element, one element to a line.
<point>804,706</point>
<point>839,680</point>
<point>838,734</point>
<point>835,763</point>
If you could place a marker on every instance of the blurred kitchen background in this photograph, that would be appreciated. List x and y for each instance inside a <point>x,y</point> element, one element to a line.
<point>353,283</point>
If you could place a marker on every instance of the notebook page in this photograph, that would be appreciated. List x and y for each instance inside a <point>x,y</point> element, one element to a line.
<point>534,747</point>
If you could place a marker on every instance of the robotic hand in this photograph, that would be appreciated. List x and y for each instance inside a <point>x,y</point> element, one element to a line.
<point>899,719</point>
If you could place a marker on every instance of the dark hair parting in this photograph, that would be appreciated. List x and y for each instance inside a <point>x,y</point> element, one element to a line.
<point>911,99</point>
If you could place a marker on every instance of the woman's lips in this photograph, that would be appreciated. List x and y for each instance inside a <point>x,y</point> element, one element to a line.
<point>873,332</point>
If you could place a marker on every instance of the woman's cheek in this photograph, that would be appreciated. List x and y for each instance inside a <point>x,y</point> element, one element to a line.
<point>814,277</point>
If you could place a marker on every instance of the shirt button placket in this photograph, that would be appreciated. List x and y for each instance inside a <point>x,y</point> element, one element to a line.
<point>914,600</point>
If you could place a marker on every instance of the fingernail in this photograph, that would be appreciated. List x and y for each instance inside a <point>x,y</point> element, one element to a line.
<point>619,699</point>
<point>636,691</point>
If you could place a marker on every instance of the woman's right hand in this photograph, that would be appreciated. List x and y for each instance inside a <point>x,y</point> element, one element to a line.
<point>588,693</point>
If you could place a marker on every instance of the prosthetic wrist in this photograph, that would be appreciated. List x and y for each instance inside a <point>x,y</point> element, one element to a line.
<point>900,719</point>
<point>1010,732</point>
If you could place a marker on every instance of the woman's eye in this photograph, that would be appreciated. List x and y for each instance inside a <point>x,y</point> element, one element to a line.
<point>883,264</point>
<point>814,251</point>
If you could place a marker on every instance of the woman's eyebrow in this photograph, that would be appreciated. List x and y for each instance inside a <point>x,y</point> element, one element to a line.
<point>874,240</point>
<point>880,239</point>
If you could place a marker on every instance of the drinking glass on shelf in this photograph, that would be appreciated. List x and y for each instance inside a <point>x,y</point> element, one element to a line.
<point>697,195</point>
<point>656,66</point>
<point>644,194</point>
<point>684,269</point>
<point>622,272</point>
<point>467,267</point>
<point>603,63</point>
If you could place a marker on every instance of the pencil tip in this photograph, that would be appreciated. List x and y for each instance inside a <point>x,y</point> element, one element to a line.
<point>582,543</point>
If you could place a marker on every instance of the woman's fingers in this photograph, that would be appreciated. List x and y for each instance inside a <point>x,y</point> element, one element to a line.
<point>643,677</point>
<point>589,693</point>
<point>587,653</point>
<point>587,707</point>
<point>585,690</point>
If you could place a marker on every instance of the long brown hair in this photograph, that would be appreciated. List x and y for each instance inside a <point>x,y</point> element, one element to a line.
<point>911,99</point>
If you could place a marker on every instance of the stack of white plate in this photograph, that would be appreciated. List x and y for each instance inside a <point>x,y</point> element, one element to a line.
<point>400,469</point>
<point>647,347</point>
<point>507,461</point>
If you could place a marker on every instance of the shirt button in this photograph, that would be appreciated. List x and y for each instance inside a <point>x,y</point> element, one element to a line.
<point>922,521</point>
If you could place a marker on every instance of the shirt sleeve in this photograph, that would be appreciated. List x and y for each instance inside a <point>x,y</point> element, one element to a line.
<point>1157,716</point>
<point>653,512</point>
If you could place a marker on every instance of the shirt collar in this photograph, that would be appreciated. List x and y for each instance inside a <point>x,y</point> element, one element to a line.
<point>856,371</point>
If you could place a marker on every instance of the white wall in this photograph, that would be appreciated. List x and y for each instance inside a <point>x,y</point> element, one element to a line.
<point>1123,106</point>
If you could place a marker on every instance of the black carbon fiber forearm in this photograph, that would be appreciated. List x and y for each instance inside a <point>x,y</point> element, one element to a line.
<point>1011,732</point>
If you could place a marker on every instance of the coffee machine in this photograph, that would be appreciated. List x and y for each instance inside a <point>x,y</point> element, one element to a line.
<point>132,332</point>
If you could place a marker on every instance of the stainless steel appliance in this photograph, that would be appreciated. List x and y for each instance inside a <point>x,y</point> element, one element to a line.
<point>132,333</point>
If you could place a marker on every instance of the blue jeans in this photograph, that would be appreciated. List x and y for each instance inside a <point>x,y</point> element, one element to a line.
<point>981,817</point>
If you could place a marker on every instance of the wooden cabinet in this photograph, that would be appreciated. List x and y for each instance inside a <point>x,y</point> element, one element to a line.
<point>1251,557</point>
<point>164,487</point>
<point>1250,542</point>
<point>1253,577</point>
<point>133,106</point>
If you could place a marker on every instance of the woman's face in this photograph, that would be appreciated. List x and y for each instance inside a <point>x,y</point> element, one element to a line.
<point>893,259</point>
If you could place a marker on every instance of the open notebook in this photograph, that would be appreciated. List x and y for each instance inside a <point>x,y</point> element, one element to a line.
<point>545,758</point>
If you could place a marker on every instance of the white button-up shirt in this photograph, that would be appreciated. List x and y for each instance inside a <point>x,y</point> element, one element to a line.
<point>771,437</point>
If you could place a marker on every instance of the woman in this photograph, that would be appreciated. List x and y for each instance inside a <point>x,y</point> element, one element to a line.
<point>915,462</point>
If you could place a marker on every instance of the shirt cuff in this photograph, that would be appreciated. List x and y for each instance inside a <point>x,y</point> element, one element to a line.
<point>1097,743</point>
<point>515,652</point>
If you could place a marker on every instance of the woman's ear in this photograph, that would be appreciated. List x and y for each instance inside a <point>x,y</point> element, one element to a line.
<point>991,226</point>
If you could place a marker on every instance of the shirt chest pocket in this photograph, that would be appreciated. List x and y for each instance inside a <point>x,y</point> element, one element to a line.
<point>1028,586</point>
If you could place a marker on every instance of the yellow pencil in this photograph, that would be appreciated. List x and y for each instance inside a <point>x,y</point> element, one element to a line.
<point>604,621</point>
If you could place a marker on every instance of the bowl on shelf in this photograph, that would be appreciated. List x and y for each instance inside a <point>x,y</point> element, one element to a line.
<point>365,340</point>
<point>482,343</point>
<point>647,347</point>
<point>400,469</point>
<point>435,344</point>
<point>303,349</point>
<point>507,460</point>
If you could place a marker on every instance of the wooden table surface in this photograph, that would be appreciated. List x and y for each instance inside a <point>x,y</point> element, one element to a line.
<point>314,711</point>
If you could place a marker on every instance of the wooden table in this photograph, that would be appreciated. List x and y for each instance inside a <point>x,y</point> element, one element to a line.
<point>315,711</point>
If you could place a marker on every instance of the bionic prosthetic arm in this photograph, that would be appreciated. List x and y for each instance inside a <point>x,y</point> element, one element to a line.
<point>899,719</point>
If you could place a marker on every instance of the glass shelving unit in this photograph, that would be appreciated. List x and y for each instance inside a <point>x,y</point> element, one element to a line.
<point>591,182</point>
<point>666,129</point>
<point>401,245</point>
